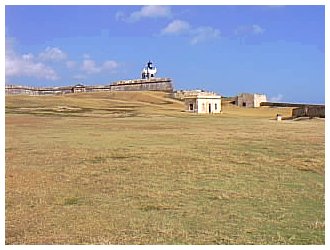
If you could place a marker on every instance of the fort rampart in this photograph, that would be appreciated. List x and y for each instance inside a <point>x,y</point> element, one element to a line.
<point>309,111</point>
<point>154,84</point>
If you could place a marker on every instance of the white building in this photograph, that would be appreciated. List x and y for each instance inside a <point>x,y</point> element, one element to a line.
<point>203,104</point>
<point>250,100</point>
<point>149,71</point>
<point>78,88</point>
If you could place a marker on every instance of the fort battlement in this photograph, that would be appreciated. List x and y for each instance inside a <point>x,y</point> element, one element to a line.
<point>148,82</point>
<point>153,84</point>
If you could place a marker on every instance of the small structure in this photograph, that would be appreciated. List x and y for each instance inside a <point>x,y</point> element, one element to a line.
<point>149,71</point>
<point>203,104</point>
<point>278,117</point>
<point>78,88</point>
<point>250,100</point>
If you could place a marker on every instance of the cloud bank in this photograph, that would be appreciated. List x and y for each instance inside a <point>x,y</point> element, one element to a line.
<point>150,11</point>
<point>26,65</point>
<point>253,29</point>
<point>35,65</point>
<point>52,54</point>
<point>89,66</point>
<point>176,27</point>
<point>196,35</point>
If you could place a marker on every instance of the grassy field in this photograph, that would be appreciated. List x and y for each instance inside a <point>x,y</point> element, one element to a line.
<point>132,168</point>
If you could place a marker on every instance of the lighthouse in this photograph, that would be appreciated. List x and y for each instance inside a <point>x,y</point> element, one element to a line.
<point>149,71</point>
<point>149,82</point>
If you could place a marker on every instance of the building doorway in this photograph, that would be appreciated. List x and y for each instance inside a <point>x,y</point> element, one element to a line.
<point>191,106</point>
<point>210,108</point>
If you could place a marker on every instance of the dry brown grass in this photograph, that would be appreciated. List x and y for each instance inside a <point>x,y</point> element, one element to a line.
<point>131,168</point>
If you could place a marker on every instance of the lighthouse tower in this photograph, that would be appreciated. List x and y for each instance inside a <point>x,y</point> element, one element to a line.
<point>149,71</point>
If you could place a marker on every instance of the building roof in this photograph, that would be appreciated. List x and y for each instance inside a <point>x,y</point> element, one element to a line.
<point>79,85</point>
<point>198,96</point>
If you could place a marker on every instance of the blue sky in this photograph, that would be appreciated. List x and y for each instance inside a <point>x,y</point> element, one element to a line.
<point>275,50</point>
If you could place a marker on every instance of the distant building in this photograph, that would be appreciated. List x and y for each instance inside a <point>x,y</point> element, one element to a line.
<point>203,104</point>
<point>78,88</point>
<point>250,100</point>
<point>149,71</point>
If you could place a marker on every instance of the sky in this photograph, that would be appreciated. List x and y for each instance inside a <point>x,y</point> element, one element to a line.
<point>274,50</point>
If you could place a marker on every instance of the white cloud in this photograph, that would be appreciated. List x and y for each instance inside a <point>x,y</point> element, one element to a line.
<point>27,65</point>
<point>154,11</point>
<point>277,98</point>
<point>197,35</point>
<point>89,66</point>
<point>257,29</point>
<point>149,11</point>
<point>86,56</point>
<point>70,64</point>
<point>120,16</point>
<point>52,54</point>
<point>110,65</point>
<point>253,29</point>
<point>202,34</point>
<point>176,27</point>
<point>79,77</point>
<point>28,56</point>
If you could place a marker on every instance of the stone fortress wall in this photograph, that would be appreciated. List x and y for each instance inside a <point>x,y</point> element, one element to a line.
<point>154,84</point>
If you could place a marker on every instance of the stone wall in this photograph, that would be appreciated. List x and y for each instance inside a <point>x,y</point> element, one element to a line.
<point>153,84</point>
<point>309,111</point>
<point>25,90</point>
<point>19,90</point>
